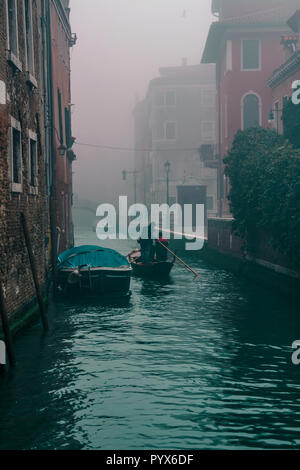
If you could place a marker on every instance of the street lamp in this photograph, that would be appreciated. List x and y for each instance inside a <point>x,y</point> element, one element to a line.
<point>167,170</point>
<point>134,173</point>
<point>62,150</point>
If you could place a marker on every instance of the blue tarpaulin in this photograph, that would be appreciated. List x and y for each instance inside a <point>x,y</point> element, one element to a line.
<point>93,256</point>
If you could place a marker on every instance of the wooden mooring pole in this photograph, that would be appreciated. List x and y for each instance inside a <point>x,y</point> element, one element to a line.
<point>6,329</point>
<point>34,272</point>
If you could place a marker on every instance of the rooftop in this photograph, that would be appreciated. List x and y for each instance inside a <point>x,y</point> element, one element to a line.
<point>275,16</point>
<point>294,22</point>
<point>186,74</point>
<point>285,70</point>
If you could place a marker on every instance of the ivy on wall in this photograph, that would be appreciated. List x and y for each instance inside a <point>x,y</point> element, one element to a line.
<point>291,122</point>
<point>264,173</point>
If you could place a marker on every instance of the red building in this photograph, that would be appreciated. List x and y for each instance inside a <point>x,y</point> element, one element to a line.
<point>62,140</point>
<point>245,45</point>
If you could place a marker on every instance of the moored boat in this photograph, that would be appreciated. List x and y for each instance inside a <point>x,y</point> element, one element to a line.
<point>155,269</point>
<point>90,268</point>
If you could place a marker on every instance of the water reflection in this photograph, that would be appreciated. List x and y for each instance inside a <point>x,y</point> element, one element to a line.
<point>182,364</point>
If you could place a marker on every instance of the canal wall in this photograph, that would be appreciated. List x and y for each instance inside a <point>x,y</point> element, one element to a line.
<point>264,265</point>
<point>25,316</point>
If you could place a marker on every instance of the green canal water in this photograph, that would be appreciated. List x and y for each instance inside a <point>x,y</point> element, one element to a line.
<point>183,365</point>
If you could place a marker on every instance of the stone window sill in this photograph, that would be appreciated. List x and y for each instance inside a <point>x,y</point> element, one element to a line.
<point>14,60</point>
<point>16,188</point>
<point>31,80</point>
<point>33,190</point>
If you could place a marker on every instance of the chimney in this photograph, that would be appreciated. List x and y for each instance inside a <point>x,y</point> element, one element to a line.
<point>289,43</point>
<point>294,24</point>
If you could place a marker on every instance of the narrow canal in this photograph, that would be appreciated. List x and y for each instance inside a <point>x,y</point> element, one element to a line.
<point>184,365</point>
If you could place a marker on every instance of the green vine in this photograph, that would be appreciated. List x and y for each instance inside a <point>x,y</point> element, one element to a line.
<point>291,122</point>
<point>264,173</point>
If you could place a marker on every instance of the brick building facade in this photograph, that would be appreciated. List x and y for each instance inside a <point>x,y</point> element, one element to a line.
<point>22,160</point>
<point>27,157</point>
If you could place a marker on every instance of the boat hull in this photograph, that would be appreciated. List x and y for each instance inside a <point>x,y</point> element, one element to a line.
<point>152,270</point>
<point>155,270</point>
<point>100,281</point>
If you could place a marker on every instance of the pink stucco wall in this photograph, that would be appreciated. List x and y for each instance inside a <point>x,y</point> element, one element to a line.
<point>61,82</point>
<point>237,83</point>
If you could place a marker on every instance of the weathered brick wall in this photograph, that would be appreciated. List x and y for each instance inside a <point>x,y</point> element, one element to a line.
<point>222,239</point>
<point>3,189</point>
<point>24,104</point>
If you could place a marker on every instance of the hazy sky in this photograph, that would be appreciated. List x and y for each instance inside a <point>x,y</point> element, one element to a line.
<point>121,45</point>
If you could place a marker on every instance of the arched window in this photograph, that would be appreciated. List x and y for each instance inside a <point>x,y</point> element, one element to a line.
<point>251,111</point>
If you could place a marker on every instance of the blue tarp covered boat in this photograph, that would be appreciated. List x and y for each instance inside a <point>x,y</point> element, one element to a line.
<point>94,268</point>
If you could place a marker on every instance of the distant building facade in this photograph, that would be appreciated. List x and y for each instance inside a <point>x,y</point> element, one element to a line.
<point>245,46</point>
<point>175,134</point>
<point>29,180</point>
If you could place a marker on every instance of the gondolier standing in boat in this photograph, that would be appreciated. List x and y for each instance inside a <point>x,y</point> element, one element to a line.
<point>147,246</point>
<point>161,252</point>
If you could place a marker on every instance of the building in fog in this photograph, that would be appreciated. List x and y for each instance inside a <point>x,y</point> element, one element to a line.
<point>245,45</point>
<point>175,134</point>
<point>35,144</point>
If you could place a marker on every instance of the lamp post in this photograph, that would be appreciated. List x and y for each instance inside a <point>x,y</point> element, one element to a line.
<point>134,173</point>
<point>167,170</point>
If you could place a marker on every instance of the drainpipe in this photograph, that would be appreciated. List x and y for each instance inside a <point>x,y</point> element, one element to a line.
<point>220,165</point>
<point>46,140</point>
<point>45,95</point>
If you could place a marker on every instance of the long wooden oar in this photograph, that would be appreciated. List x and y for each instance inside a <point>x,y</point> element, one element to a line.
<point>179,259</point>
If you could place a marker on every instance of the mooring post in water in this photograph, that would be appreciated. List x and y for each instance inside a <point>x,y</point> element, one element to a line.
<point>6,330</point>
<point>34,272</point>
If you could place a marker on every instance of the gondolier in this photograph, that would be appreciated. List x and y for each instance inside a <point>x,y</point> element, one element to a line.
<point>147,245</point>
<point>161,252</point>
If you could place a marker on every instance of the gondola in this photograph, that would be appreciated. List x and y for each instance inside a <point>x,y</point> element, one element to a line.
<point>93,269</point>
<point>155,269</point>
